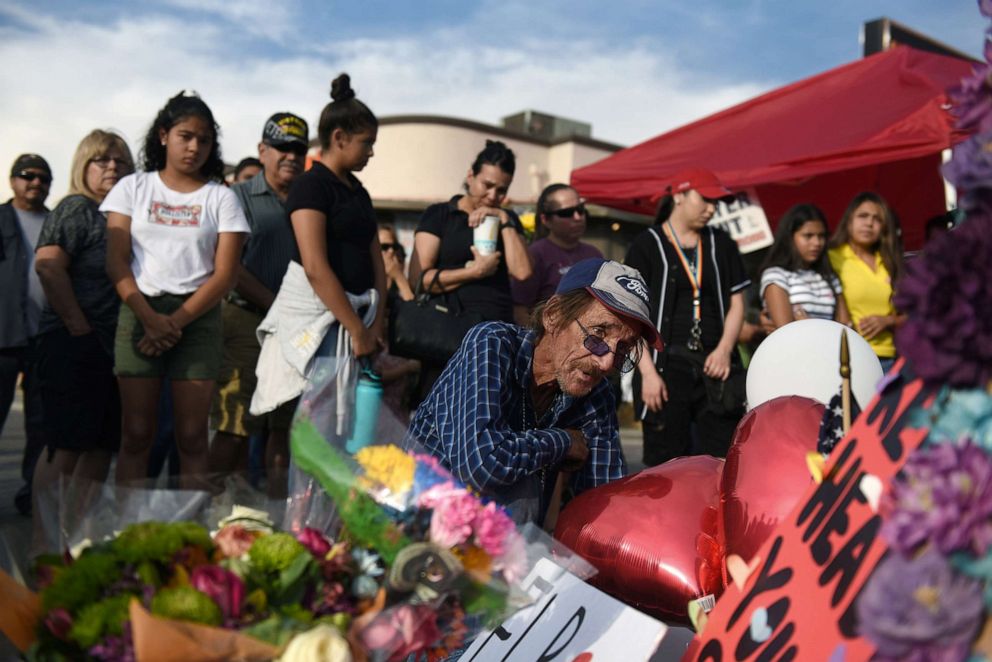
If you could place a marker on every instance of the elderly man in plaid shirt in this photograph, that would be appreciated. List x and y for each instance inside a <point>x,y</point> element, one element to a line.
<point>515,406</point>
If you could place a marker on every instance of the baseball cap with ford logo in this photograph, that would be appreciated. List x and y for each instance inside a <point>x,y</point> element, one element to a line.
<point>618,287</point>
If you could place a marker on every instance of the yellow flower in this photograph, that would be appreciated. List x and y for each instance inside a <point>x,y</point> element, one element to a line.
<point>475,561</point>
<point>389,466</point>
<point>529,222</point>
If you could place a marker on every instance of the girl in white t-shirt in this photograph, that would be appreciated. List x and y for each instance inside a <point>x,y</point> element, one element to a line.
<point>174,241</point>
<point>796,279</point>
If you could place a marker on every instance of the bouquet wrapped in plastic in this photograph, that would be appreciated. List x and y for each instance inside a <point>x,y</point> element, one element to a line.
<point>379,553</point>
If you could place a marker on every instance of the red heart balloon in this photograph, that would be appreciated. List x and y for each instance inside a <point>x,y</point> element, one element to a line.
<point>652,536</point>
<point>766,471</point>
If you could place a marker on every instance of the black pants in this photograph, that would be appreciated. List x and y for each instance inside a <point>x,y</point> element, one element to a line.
<point>13,363</point>
<point>669,433</point>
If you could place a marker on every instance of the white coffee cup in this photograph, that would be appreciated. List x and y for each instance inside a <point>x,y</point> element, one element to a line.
<point>485,235</point>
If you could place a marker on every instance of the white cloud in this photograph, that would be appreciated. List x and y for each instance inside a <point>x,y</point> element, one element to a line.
<point>63,78</point>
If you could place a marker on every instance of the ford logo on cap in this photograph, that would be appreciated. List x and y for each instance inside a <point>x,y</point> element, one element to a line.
<point>634,285</point>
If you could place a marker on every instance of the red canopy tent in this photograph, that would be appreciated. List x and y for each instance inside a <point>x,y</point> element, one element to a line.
<point>878,124</point>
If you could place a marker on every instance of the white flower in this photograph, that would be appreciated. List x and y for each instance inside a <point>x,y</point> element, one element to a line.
<point>322,643</point>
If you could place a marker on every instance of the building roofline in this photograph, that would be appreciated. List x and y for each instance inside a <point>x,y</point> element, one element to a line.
<point>497,131</point>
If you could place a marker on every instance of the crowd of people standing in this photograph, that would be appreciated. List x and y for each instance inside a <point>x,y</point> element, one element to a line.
<point>161,278</point>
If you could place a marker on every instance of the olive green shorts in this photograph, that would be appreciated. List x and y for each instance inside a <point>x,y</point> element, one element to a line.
<point>236,384</point>
<point>197,355</point>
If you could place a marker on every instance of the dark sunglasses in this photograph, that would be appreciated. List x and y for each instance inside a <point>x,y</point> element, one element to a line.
<point>568,212</point>
<point>624,356</point>
<point>29,176</point>
<point>391,247</point>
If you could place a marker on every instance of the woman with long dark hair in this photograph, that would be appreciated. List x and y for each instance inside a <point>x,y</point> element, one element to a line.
<point>797,281</point>
<point>866,254</point>
<point>334,221</point>
<point>175,235</point>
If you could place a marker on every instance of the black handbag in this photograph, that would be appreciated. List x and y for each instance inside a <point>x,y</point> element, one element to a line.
<point>429,328</point>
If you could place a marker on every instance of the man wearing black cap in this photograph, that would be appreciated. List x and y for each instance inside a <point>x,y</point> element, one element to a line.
<point>267,254</point>
<point>21,302</point>
<point>515,405</point>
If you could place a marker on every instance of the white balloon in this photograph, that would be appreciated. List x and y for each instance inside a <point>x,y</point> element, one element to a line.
<point>803,358</point>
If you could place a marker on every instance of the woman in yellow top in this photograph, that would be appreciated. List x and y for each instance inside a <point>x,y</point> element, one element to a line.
<point>865,253</point>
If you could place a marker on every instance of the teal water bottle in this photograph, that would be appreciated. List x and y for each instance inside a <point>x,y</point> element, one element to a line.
<point>368,400</point>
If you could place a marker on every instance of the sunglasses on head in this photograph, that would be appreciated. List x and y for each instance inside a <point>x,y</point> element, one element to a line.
<point>29,176</point>
<point>624,356</point>
<point>568,212</point>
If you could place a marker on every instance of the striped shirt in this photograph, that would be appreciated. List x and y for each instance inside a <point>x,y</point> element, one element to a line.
<point>805,288</point>
<point>475,419</point>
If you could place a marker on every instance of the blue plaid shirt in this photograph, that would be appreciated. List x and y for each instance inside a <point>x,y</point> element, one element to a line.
<point>473,420</point>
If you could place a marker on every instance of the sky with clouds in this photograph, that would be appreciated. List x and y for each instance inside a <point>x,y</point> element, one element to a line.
<point>632,68</point>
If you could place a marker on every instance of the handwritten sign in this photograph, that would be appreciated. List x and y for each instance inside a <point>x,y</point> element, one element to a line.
<point>569,621</point>
<point>798,603</point>
<point>745,221</point>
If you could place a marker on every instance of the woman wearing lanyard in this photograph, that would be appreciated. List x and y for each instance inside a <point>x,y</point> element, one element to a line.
<point>696,279</point>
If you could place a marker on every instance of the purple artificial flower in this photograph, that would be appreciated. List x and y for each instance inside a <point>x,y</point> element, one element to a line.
<point>973,100</point>
<point>222,586</point>
<point>116,648</point>
<point>943,496</point>
<point>970,169</point>
<point>917,609</point>
<point>947,295</point>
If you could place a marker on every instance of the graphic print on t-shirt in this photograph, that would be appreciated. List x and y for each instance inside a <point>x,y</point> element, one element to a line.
<point>175,215</point>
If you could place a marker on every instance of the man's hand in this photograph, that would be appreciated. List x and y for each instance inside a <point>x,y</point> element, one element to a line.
<point>577,452</point>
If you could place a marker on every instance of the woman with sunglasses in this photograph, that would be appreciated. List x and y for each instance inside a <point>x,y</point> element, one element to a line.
<point>394,259</point>
<point>174,240</point>
<point>561,216</point>
<point>76,332</point>
<point>696,280</point>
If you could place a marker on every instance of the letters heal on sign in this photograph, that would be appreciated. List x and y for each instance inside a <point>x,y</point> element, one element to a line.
<point>799,602</point>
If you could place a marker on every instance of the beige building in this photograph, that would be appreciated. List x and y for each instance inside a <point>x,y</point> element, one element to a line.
<point>423,159</point>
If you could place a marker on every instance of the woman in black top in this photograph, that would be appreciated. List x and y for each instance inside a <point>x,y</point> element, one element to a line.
<point>444,237</point>
<point>333,219</point>
<point>696,280</point>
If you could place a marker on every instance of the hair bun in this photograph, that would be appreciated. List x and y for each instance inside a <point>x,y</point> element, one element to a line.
<point>341,88</point>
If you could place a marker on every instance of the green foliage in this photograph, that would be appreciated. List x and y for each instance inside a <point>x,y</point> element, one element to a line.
<point>100,619</point>
<point>277,629</point>
<point>81,583</point>
<point>185,603</point>
<point>275,552</point>
<point>364,520</point>
<point>159,541</point>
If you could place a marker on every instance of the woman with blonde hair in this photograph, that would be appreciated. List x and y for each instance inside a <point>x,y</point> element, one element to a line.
<point>76,344</point>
